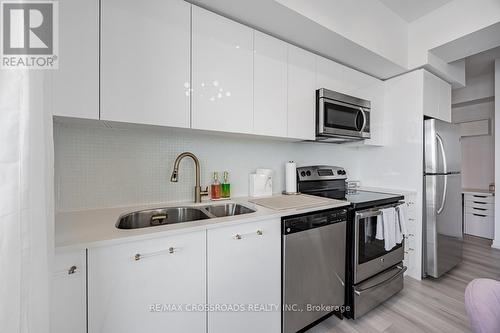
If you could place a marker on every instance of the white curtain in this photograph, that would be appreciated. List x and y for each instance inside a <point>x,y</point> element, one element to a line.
<point>26,203</point>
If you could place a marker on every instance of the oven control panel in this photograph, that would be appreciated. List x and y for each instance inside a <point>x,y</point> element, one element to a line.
<point>321,172</point>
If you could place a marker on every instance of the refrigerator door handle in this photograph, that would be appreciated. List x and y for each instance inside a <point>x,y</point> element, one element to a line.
<point>445,170</point>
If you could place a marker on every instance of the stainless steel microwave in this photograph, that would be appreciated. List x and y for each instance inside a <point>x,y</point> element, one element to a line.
<point>341,118</point>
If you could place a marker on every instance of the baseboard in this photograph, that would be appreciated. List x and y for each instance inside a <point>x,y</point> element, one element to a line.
<point>495,245</point>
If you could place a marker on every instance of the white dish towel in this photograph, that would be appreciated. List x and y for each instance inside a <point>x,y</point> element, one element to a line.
<point>401,212</point>
<point>379,234</point>
<point>389,225</point>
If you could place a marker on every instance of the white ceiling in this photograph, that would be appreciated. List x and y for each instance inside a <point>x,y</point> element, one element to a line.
<point>481,63</point>
<point>410,10</point>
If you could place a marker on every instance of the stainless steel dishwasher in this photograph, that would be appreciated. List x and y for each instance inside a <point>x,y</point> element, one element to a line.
<point>313,269</point>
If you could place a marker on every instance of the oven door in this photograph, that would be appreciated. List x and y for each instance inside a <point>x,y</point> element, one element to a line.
<point>341,119</point>
<point>370,256</point>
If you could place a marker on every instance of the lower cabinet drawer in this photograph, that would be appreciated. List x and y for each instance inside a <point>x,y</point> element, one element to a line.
<point>480,210</point>
<point>480,225</point>
<point>480,198</point>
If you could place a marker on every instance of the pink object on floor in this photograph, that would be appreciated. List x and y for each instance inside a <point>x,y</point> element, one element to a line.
<point>482,302</point>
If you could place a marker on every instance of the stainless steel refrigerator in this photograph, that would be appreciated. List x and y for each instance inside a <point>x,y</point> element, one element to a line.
<point>442,197</point>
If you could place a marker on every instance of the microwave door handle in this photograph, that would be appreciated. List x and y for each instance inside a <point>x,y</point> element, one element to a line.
<point>364,119</point>
<point>445,170</point>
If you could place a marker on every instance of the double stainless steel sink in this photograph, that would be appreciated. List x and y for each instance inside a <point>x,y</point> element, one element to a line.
<point>172,215</point>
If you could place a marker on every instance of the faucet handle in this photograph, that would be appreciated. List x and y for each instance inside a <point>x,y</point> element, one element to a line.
<point>205,191</point>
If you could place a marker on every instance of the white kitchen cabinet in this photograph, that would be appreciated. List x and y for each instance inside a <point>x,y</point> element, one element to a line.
<point>374,92</point>
<point>129,295</point>
<point>329,75</point>
<point>222,60</point>
<point>145,62</point>
<point>356,83</point>
<point>244,267</point>
<point>301,94</point>
<point>69,293</point>
<point>74,87</point>
<point>270,86</point>
<point>431,95</point>
<point>479,214</point>
<point>444,100</point>
<point>437,97</point>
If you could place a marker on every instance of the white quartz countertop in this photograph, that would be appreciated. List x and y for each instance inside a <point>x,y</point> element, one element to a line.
<point>477,190</point>
<point>96,227</point>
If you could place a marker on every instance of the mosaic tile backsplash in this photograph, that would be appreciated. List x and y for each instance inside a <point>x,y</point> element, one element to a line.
<point>99,167</point>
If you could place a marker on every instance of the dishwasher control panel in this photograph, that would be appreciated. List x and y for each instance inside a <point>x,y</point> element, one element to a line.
<point>303,222</point>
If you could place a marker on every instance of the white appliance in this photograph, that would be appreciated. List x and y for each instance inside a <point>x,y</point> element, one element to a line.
<point>442,197</point>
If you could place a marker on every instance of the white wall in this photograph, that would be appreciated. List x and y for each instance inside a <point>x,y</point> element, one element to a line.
<point>477,88</point>
<point>367,23</point>
<point>447,23</point>
<point>496,241</point>
<point>478,152</point>
<point>100,167</point>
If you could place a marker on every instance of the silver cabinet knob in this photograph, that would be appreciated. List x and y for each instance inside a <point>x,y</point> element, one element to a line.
<point>72,270</point>
<point>259,232</point>
<point>237,237</point>
<point>137,257</point>
<point>171,250</point>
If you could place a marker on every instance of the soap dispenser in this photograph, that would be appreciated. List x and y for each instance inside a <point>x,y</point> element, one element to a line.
<point>225,186</point>
<point>215,188</point>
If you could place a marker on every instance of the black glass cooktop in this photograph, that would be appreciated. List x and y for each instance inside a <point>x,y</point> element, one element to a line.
<point>361,199</point>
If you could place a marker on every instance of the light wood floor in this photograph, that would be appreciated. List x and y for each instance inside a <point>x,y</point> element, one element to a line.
<point>428,305</point>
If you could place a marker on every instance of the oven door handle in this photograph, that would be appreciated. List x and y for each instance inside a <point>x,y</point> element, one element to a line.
<point>368,213</point>
<point>402,269</point>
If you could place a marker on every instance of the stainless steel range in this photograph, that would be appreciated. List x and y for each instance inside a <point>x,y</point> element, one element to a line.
<point>372,273</point>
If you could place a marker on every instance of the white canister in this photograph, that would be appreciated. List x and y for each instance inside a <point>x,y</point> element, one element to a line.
<point>259,185</point>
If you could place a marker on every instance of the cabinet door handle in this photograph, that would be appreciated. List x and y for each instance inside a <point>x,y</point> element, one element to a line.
<point>479,202</point>
<point>479,215</point>
<point>479,208</point>
<point>139,256</point>
<point>72,270</point>
<point>241,236</point>
<point>479,196</point>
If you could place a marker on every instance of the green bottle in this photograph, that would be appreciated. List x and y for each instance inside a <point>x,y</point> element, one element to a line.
<point>225,186</point>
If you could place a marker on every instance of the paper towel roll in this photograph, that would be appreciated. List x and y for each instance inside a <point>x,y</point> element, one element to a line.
<point>291,177</point>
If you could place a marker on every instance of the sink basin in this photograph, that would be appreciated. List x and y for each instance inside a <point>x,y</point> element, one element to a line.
<point>229,209</point>
<point>161,216</point>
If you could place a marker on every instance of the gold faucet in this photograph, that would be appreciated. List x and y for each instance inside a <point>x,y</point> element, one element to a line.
<point>198,193</point>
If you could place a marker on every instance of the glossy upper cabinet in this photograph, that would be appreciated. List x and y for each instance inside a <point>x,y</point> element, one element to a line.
<point>328,74</point>
<point>145,62</point>
<point>73,89</point>
<point>132,285</point>
<point>244,267</point>
<point>445,101</point>
<point>222,78</point>
<point>69,293</point>
<point>270,86</point>
<point>437,97</point>
<point>301,94</point>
